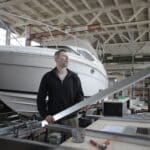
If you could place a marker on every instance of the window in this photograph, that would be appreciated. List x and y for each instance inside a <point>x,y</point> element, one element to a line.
<point>2,36</point>
<point>86,55</point>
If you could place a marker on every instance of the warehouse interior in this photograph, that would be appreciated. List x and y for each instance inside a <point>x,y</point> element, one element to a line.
<point>109,42</point>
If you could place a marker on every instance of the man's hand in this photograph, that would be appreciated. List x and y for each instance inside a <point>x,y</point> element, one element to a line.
<point>49,119</point>
<point>86,108</point>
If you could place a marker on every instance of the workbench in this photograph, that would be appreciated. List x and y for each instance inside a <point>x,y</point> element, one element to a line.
<point>117,142</point>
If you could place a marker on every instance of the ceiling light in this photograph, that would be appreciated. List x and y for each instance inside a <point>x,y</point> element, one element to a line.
<point>110,58</point>
<point>139,56</point>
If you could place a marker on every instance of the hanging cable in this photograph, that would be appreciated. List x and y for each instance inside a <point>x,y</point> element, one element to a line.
<point>52,36</point>
<point>37,21</point>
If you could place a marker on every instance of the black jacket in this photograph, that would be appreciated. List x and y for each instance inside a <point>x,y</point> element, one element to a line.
<point>60,94</point>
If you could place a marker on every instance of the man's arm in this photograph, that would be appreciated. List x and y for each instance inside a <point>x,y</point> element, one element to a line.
<point>41,102</point>
<point>79,93</point>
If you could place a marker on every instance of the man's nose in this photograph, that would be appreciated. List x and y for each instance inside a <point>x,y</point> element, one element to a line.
<point>66,58</point>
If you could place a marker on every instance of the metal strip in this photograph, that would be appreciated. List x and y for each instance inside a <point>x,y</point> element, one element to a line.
<point>8,143</point>
<point>105,93</point>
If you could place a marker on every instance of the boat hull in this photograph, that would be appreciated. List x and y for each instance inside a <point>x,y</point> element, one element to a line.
<point>21,103</point>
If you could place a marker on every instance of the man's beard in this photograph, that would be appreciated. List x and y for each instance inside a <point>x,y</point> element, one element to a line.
<point>64,65</point>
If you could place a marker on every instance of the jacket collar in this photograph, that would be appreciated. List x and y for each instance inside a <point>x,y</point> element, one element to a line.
<point>54,71</point>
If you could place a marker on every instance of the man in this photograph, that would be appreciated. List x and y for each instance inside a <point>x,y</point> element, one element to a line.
<point>63,88</point>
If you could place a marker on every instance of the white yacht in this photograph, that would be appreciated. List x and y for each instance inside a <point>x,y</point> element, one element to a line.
<point>21,70</point>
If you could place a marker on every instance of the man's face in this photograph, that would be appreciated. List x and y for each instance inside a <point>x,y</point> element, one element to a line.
<point>62,60</point>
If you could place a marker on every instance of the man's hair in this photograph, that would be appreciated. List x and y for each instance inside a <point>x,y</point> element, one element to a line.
<point>59,51</point>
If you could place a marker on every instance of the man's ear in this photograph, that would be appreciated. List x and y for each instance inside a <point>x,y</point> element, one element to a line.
<point>55,57</point>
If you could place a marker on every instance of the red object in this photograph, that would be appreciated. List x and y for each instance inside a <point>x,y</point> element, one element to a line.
<point>107,142</point>
<point>94,143</point>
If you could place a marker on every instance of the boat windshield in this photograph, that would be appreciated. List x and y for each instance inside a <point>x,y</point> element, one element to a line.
<point>86,55</point>
<point>68,49</point>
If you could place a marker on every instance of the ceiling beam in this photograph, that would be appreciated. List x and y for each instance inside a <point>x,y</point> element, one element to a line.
<point>123,19</point>
<point>110,8</point>
<point>103,10</point>
<point>115,17</point>
<point>76,10</point>
<point>149,19</point>
<point>110,37</point>
<point>107,14</point>
<point>116,66</point>
<point>32,11</point>
<point>111,20</point>
<point>43,7</point>
<point>128,23</point>
<point>10,3</point>
<point>69,30</point>
<point>125,36</point>
<point>127,44</point>
<point>103,38</point>
<point>140,49</point>
<point>136,14</point>
<point>5,25</point>
<point>71,5</point>
<point>94,18</point>
<point>5,20</point>
<point>57,6</point>
<point>86,4</point>
<point>101,33</point>
<point>139,37</point>
<point>94,10</point>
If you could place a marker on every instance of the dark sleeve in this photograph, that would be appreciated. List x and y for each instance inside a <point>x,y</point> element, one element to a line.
<point>79,93</point>
<point>41,97</point>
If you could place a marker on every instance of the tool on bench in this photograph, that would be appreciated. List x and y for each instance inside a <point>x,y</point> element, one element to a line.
<point>102,146</point>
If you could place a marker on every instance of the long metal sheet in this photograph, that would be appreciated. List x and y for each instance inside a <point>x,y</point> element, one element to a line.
<point>105,93</point>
